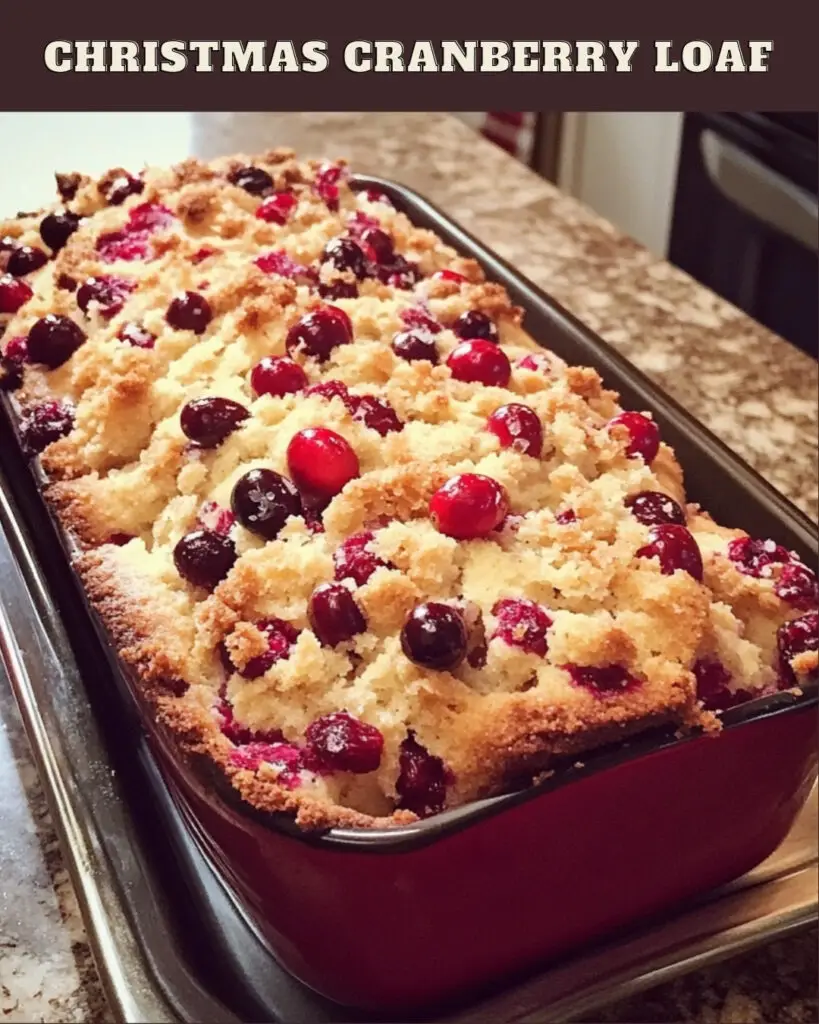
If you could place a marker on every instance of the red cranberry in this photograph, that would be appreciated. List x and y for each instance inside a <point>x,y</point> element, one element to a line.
<point>449,275</point>
<point>536,362</point>
<point>653,507</point>
<point>150,217</point>
<point>321,461</point>
<point>25,259</point>
<point>136,335</point>
<point>675,548</point>
<point>277,376</point>
<point>44,424</point>
<point>567,516</point>
<point>108,292</point>
<point>417,317</point>
<point>208,421</point>
<point>798,585</point>
<point>374,195</point>
<point>342,743</point>
<point>204,558</point>
<point>284,756</point>
<point>474,324</point>
<point>480,362</point>
<point>334,615</point>
<point>57,228</point>
<point>263,500</point>
<point>522,623</point>
<point>277,261</point>
<point>120,188</point>
<point>345,254</point>
<point>53,340</point>
<point>358,222</point>
<point>376,413</point>
<point>277,208</point>
<point>280,637</point>
<point>435,636</point>
<point>422,779</point>
<point>17,349</point>
<point>519,427</point>
<point>712,686</point>
<point>354,559</point>
<point>203,254</point>
<point>794,638</point>
<point>319,332</point>
<point>338,290</point>
<point>189,311</point>
<point>13,294</point>
<point>415,346</point>
<point>379,244</point>
<point>752,557</point>
<point>330,389</point>
<point>326,184</point>
<point>252,179</point>
<point>238,734</point>
<point>643,435</point>
<point>468,506</point>
<point>215,518</point>
<point>123,245</point>
<point>602,679</point>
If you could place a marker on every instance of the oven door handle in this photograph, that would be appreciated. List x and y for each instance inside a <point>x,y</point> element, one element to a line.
<point>760,192</point>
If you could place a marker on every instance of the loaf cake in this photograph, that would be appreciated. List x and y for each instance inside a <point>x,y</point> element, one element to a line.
<point>367,550</point>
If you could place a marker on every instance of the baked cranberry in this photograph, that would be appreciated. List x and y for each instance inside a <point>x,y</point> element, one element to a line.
<point>280,637</point>
<point>120,539</point>
<point>643,434</point>
<point>214,517</point>
<point>204,558</point>
<point>358,222</point>
<point>398,272</point>
<point>263,500</point>
<point>338,290</point>
<point>522,623</point>
<point>417,317</point>
<point>252,179</point>
<point>519,427</point>
<point>675,548</point>
<point>277,261</point>
<point>319,332</point>
<point>378,244</point>
<point>355,560</point>
<point>57,228</point>
<point>150,217</point>
<point>480,362</point>
<point>653,507</point>
<point>794,638</point>
<point>330,389</point>
<point>712,686</point>
<point>277,208</point>
<point>66,283</point>
<point>25,259</point>
<point>474,324</point>
<point>67,185</point>
<point>277,376</point>
<point>566,516</point>
<point>16,350</point>
<point>11,363</point>
<point>752,557</point>
<point>449,275</point>
<point>601,679</point>
<point>537,362</point>
<point>238,734</point>
<point>435,636</point>
<point>375,413</point>
<point>345,254</point>
<point>120,188</point>
<point>374,195</point>
<point>342,743</point>
<point>189,311</point>
<point>334,615</point>
<point>312,520</point>
<point>326,184</point>
<point>13,294</point>
<point>123,245</point>
<point>53,340</point>
<point>136,335</point>
<point>203,254</point>
<point>284,756</point>
<point>44,424</point>
<point>798,585</point>
<point>321,461</point>
<point>415,346</point>
<point>208,421</point>
<point>108,292</point>
<point>422,779</point>
<point>468,506</point>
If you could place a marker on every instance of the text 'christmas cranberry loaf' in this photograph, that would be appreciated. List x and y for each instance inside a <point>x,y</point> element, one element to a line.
<point>363,544</point>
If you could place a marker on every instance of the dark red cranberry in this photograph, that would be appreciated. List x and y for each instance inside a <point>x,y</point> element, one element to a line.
<point>653,507</point>
<point>474,324</point>
<point>321,461</point>
<point>794,638</point>
<point>17,349</point>
<point>602,679</point>
<point>204,558</point>
<point>25,259</point>
<point>416,317</point>
<point>11,363</point>
<point>567,516</point>
<point>208,421</point>
<point>753,556</point>
<point>468,506</point>
<point>415,346</point>
<point>342,743</point>
<point>150,217</point>
<point>330,389</point>
<point>422,779</point>
<point>120,539</point>
<point>215,518</point>
<point>108,292</point>
<point>319,332</point>
<point>280,637</point>
<point>334,615</point>
<point>123,245</point>
<point>13,294</point>
<point>252,179</point>
<point>277,376</point>
<point>53,340</point>
<point>44,424</point>
<point>345,254</point>
<point>798,585</point>
<point>66,283</point>
<point>277,261</point>
<point>675,548</point>
<point>136,335</point>
<point>522,623</point>
<point>338,290</point>
<point>284,756</point>
<point>326,184</point>
<point>519,427</point>
<point>312,520</point>
<point>355,560</point>
<point>480,362</point>
<point>263,500</point>
<point>435,636</point>
<point>375,413</point>
<point>121,187</point>
<point>398,272</point>
<point>238,734</point>
<point>277,208</point>
<point>189,311</point>
<point>712,686</point>
<point>378,244</point>
<point>643,434</point>
<point>57,228</point>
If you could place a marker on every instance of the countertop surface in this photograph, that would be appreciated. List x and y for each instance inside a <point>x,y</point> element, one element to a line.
<point>753,390</point>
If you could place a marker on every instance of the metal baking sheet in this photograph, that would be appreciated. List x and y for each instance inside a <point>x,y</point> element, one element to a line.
<point>170,943</point>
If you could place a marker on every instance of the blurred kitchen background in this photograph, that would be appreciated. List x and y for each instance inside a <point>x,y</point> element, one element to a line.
<point>731,198</point>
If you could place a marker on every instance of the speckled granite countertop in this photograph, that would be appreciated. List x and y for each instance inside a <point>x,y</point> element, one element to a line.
<point>753,390</point>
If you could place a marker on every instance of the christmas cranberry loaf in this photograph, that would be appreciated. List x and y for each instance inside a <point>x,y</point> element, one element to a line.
<point>365,547</point>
